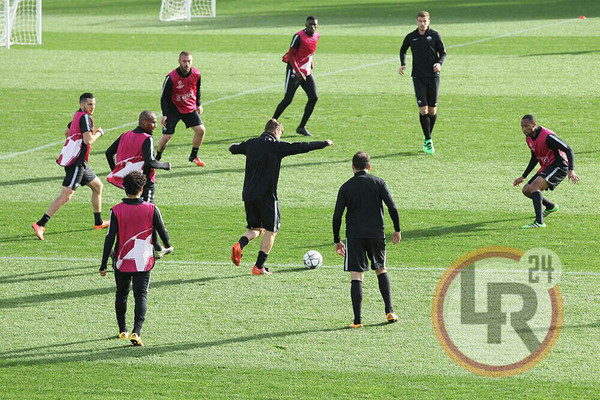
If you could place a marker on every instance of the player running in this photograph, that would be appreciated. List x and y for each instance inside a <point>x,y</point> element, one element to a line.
<point>428,55</point>
<point>131,224</point>
<point>263,161</point>
<point>180,100</point>
<point>74,156</point>
<point>299,72</point>
<point>556,159</point>
<point>363,196</point>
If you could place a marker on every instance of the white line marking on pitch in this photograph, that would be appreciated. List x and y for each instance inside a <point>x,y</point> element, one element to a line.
<point>318,75</point>
<point>222,263</point>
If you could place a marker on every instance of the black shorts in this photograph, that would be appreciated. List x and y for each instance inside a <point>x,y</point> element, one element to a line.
<point>263,214</point>
<point>190,120</point>
<point>78,175</point>
<point>360,251</point>
<point>426,90</point>
<point>554,174</point>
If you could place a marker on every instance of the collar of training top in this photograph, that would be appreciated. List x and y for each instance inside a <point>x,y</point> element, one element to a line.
<point>127,200</point>
<point>270,134</point>
<point>361,172</point>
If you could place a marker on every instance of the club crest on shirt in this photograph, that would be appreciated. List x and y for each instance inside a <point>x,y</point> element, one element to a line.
<point>179,84</point>
<point>429,38</point>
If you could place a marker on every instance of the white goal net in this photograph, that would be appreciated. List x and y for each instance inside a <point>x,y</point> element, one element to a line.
<point>21,22</point>
<point>173,10</point>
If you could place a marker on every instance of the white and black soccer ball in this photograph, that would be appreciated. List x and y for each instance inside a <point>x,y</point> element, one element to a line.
<point>312,259</point>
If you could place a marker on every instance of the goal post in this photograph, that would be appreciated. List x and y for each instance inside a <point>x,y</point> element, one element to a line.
<point>185,10</point>
<point>21,22</point>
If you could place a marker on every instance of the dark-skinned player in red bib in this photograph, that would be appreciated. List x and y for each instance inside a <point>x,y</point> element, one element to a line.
<point>299,72</point>
<point>557,162</point>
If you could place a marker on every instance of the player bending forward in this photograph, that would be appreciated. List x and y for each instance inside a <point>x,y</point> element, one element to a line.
<point>556,161</point>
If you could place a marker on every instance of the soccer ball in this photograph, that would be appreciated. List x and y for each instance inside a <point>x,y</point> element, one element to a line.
<point>312,259</point>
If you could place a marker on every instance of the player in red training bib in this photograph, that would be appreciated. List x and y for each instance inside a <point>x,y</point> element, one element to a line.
<point>180,100</point>
<point>299,72</point>
<point>556,161</point>
<point>73,157</point>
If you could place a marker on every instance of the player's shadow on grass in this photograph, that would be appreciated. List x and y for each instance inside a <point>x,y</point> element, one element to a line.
<point>36,299</point>
<point>118,353</point>
<point>408,235</point>
<point>565,53</point>
<point>588,152</point>
<point>7,355</point>
<point>289,270</point>
<point>451,229</point>
<point>91,270</point>
<point>570,326</point>
<point>25,276</point>
<point>207,142</point>
<point>47,235</point>
<point>39,179</point>
<point>184,170</point>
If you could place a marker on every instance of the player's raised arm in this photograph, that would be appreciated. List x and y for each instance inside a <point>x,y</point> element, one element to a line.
<point>288,149</point>
<point>238,148</point>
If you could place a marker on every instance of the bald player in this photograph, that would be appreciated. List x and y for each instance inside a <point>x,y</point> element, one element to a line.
<point>180,100</point>
<point>134,151</point>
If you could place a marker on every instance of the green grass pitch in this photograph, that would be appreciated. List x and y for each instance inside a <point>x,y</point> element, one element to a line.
<point>212,329</point>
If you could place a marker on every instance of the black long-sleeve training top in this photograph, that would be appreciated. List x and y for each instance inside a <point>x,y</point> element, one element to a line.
<point>426,49</point>
<point>363,196</point>
<point>263,162</point>
<point>113,229</point>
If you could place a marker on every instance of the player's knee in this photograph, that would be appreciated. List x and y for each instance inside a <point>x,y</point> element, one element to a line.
<point>526,190</point>
<point>66,196</point>
<point>380,270</point>
<point>313,99</point>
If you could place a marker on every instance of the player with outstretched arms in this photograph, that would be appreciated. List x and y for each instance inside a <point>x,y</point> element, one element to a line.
<point>263,162</point>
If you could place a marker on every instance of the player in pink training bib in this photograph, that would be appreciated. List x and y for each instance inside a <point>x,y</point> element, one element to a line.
<point>131,225</point>
<point>556,160</point>
<point>73,157</point>
<point>299,72</point>
<point>180,100</point>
